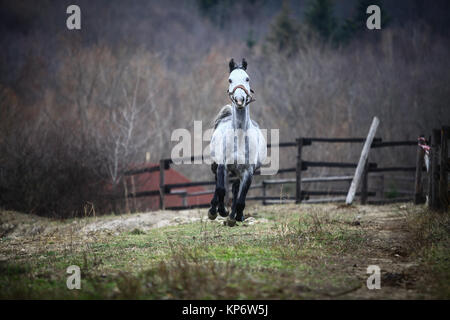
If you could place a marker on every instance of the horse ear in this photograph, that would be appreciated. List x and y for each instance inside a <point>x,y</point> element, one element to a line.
<point>244,64</point>
<point>232,65</point>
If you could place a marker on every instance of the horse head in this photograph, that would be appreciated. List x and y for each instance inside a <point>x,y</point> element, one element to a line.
<point>239,89</point>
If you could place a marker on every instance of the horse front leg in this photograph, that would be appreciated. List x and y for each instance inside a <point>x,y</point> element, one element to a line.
<point>239,198</point>
<point>212,212</point>
<point>245,186</point>
<point>235,189</point>
<point>221,190</point>
<point>219,195</point>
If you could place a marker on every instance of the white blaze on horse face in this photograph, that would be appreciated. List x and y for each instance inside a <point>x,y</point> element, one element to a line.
<point>239,77</point>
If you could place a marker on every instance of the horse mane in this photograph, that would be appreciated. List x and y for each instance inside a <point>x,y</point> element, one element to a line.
<point>224,113</point>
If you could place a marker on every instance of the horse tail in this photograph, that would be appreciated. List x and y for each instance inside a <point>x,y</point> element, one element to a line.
<point>225,112</point>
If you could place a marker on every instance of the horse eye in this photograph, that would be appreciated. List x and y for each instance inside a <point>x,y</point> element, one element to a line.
<point>230,81</point>
<point>247,79</point>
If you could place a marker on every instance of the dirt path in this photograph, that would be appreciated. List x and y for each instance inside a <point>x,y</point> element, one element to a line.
<point>16,225</point>
<point>389,248</point>
<point>29,234</point>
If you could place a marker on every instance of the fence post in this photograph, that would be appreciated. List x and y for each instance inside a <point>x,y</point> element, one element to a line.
<point>114,200</point>
<point>428,193</point>
<point>362,160</point>
<point>418,188</point>
<point>298,172</point>
<point>125,190</point>
<point>162,165</point>
<point>443,183</point>
<point>184,201</point>
<point>264,192</point>
<point>365,182</point>
<point>133,191</point>
<point>434,162</point>
<point>382,186</point>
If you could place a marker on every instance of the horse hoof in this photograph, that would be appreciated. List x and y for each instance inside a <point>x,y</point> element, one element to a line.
<point>223,213</point>
<point>231,222</point>
<point>212,215</point>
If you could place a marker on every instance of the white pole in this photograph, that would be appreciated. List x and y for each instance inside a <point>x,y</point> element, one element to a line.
<point>362,161</point>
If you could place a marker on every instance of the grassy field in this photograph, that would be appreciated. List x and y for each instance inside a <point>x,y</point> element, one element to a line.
<point>280,252</point>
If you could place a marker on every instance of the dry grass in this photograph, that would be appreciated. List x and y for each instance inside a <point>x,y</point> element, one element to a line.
<point>430,242</point>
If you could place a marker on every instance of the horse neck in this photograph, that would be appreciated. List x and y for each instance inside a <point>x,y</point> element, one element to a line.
<point>241,117</point>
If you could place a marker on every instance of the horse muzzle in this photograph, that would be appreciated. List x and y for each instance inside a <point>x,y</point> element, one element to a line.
<point>241,100</point>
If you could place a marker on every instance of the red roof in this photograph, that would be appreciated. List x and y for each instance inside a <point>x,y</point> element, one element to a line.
<point>149,181</point>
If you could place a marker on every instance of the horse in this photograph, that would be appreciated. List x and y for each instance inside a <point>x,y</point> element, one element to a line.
<point>237,146</point>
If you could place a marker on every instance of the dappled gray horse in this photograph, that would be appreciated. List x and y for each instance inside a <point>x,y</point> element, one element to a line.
<point>237,146</point>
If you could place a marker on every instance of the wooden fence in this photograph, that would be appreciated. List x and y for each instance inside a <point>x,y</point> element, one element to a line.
<point>438,170</point>
<point>301,195</point>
